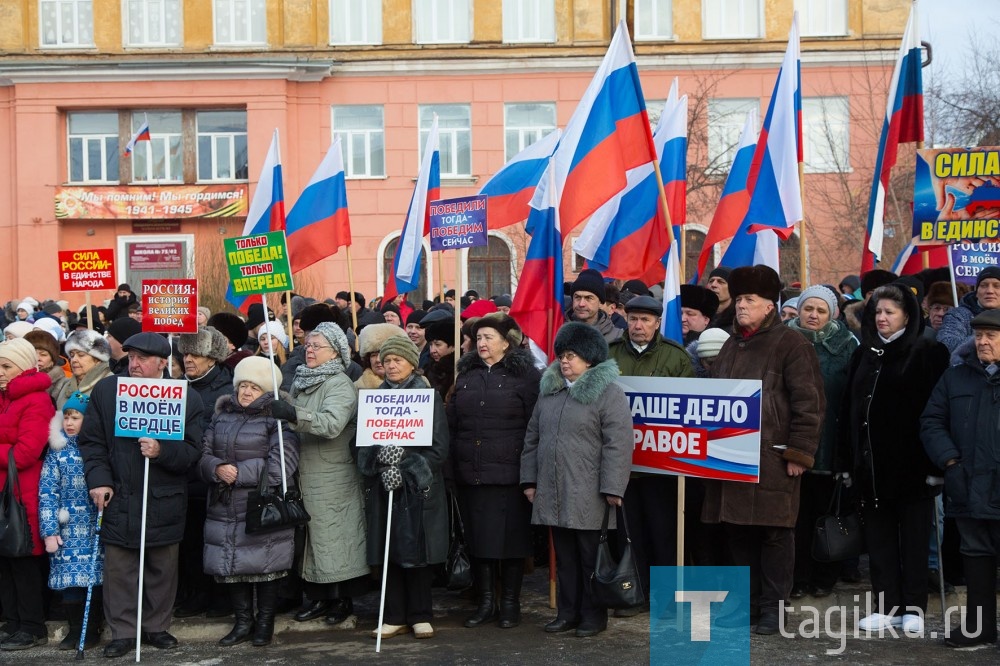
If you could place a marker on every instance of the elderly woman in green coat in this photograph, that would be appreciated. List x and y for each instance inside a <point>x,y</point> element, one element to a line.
<point>323,411</point>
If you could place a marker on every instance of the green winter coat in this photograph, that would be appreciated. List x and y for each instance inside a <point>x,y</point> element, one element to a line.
<point>661,358</point>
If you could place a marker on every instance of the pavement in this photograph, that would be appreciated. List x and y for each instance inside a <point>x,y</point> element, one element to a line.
<point>625,642</point>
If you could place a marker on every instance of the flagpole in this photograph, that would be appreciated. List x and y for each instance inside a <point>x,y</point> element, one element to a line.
<point>803,264</point>
<point>288,313</point>
<point>441,273</point>
<point>926,256</point>
<point>458,301</point>
<point>354,312</point>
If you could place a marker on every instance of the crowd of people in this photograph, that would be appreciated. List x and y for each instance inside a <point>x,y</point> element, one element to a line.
<point>874,388</point>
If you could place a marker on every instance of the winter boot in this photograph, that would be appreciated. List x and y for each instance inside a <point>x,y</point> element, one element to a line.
<point>241,596</point>
<point>267,601</point>
<point>979,627</point>
<point>511,575</point>
<point>74,616</point>
<point>483,578</point>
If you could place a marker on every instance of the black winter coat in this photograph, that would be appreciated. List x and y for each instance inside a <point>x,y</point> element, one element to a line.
<point>117,462</point>
<point>962,422</point>
<point>216,383</point>
<point>888,385</point>
<point>488,415</point>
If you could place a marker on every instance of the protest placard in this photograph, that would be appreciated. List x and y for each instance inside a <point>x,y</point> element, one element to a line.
<point>956,195</point>
<point>84,270</point>
<point>170,306</point>
<point>969,258</point>
<point>708,428</point>
<point>458,223</point>
<point>258,264</point>
<point>404,417</point>
<point>150,408</point>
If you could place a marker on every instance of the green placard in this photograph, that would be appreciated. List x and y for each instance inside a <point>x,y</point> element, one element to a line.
<point>258,264</point>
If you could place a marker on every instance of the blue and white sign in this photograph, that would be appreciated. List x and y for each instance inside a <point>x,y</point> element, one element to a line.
<point>458,223</point>
<point>969,258</point>
<point>150,408</point>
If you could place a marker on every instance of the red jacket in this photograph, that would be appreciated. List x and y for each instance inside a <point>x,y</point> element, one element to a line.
<point>25,412</point>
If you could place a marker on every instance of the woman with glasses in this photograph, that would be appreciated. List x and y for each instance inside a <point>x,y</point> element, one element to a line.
<point>322,411</point>
<point>576,461</point>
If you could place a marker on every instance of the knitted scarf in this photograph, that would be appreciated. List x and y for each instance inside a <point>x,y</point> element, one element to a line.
<point>306,377</point>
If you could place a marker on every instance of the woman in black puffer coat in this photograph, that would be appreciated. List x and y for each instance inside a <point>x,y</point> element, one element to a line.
<point>488,414</point>
<point>241,443</point>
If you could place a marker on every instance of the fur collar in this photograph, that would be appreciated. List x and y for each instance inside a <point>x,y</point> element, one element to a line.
<point>57,438</point>
<point>585,390</point>
<point>517,361</point>
<point>368,380</point>
<point>259,407</point>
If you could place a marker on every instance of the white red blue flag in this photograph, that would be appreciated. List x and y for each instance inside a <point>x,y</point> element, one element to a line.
<point>903,123</point>
<point>511,188</point>
<point>141,134</point>
<point>318,224</point>
<point>405,273</point>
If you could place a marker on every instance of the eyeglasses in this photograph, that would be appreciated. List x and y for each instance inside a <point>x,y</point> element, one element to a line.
<point>314,347</point>
<point>567,356</point>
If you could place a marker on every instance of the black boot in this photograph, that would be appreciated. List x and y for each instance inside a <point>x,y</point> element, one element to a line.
<point>511,575</point>
<point>267,601</point>
<point>979,627</point>
<point>483,578</point>
<point>74,617</point>
<point>241,596</point>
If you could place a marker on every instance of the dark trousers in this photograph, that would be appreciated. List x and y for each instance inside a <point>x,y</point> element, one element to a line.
<point>121,589</point>
<point>21,587</point>
<point>408,595</point>
<point>576,558</point>
<point>195,584</point>
<point>651,510</point>
<point>814,501</point>
<point>770,554</point>
<point>898,534</point>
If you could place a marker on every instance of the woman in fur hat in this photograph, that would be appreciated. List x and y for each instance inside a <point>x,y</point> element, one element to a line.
<point>494,396</point>
<point>371,339</point>
<point>49,360</point>
<point>88,354</point>
<point>576,462</point>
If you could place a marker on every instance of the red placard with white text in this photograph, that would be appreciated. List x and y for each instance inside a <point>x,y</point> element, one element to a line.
<point>170,306</point>
<point>86,270</point>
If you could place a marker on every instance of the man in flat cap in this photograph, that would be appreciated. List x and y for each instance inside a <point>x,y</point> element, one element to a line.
<point>650,499</point>
<point>114,469</point>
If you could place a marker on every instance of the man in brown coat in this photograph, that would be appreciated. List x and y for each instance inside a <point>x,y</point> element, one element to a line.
<point>760,518</point>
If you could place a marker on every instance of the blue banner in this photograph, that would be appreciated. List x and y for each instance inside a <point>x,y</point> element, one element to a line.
<point>458,223</point>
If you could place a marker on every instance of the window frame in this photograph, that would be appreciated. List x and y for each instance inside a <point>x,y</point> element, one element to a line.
<point>541,130</point>
<point>59,44</point>
<point>347,145</point>
<point>421,6</point>
<point>215,138</point>
<point>235,43</point>
<point>443,135</point>
<point>176,9</point>
<point>347,6</point>
<point>107,144</point>
<point>514,14</point>
<point>147,153</point>
<point>806,12</point>
<point>715,164</point>
<point>839,154</point>
<point>659,35</point>
<point>708,5</point>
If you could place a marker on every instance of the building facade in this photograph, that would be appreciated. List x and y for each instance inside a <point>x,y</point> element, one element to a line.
<point>215,78</point>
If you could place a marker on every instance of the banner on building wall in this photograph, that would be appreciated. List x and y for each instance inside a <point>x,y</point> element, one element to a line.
<point>970,258</point>
<point>170,306</point>
<point>956,195</point>
<point>709,428</point>
<point>84,270</point>
<point>150,408</point>
<point>168,256</point>
<point>151,202</point>
<point>458,223</point>
<point>258,264</point>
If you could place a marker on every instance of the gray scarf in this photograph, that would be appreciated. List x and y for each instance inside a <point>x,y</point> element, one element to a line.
<point>306,377</point>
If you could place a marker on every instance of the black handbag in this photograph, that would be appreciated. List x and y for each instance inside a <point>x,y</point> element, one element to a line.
<point>616,584</point>
<point>15,531</point>
<point>458,568</point>
<point>269,510</point>
<point>838,536</point>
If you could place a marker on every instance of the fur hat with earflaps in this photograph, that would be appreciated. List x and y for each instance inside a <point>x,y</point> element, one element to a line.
<point>207,342</point>
<point>583,340</point>
<point>89,342</point>
<point>256,370</point>
<point>373,336</point>
<point>503,324</point>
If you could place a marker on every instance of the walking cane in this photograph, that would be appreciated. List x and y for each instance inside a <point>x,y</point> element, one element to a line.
<point>933,481</point>
<point>90,586</point>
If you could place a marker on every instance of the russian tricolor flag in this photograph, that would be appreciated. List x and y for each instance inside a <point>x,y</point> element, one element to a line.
<point>405,273</point>
<point>607,135</point>
<point>318,223</point>
<point>903,123</point>
<point>735,200</point>
<point>775,195</point>
<point>537,305</point>
<point>267,208</point>
<point>627,237</point>
<point>511,188</point>
<point>141,134</point>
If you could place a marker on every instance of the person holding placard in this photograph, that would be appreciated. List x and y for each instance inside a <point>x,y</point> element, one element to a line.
<point>415,474</point>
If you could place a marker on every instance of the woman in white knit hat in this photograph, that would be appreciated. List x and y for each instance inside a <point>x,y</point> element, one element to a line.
<point>271,335</point>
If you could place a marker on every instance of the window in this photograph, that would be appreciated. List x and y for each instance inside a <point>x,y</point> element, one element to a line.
<point>694,241</point>
<point>66,22</point>
<point>529,21</point>
<point>362,140</point>
<point>159,159</point>
<point>355,21</point>
<point>153,22</point>
<point>726,118</point>
<point>222,145</point>
<point>455,135</point>
<point>93,147</point>
<point>653,20</point>
<point>240,22</point>
<point>732,19</point>
<point>442,21</point>
<point>525,124</point>
<point>822,18</point>
<point>489,268</point>
<point>825,134</point>
<point>420,293</point>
